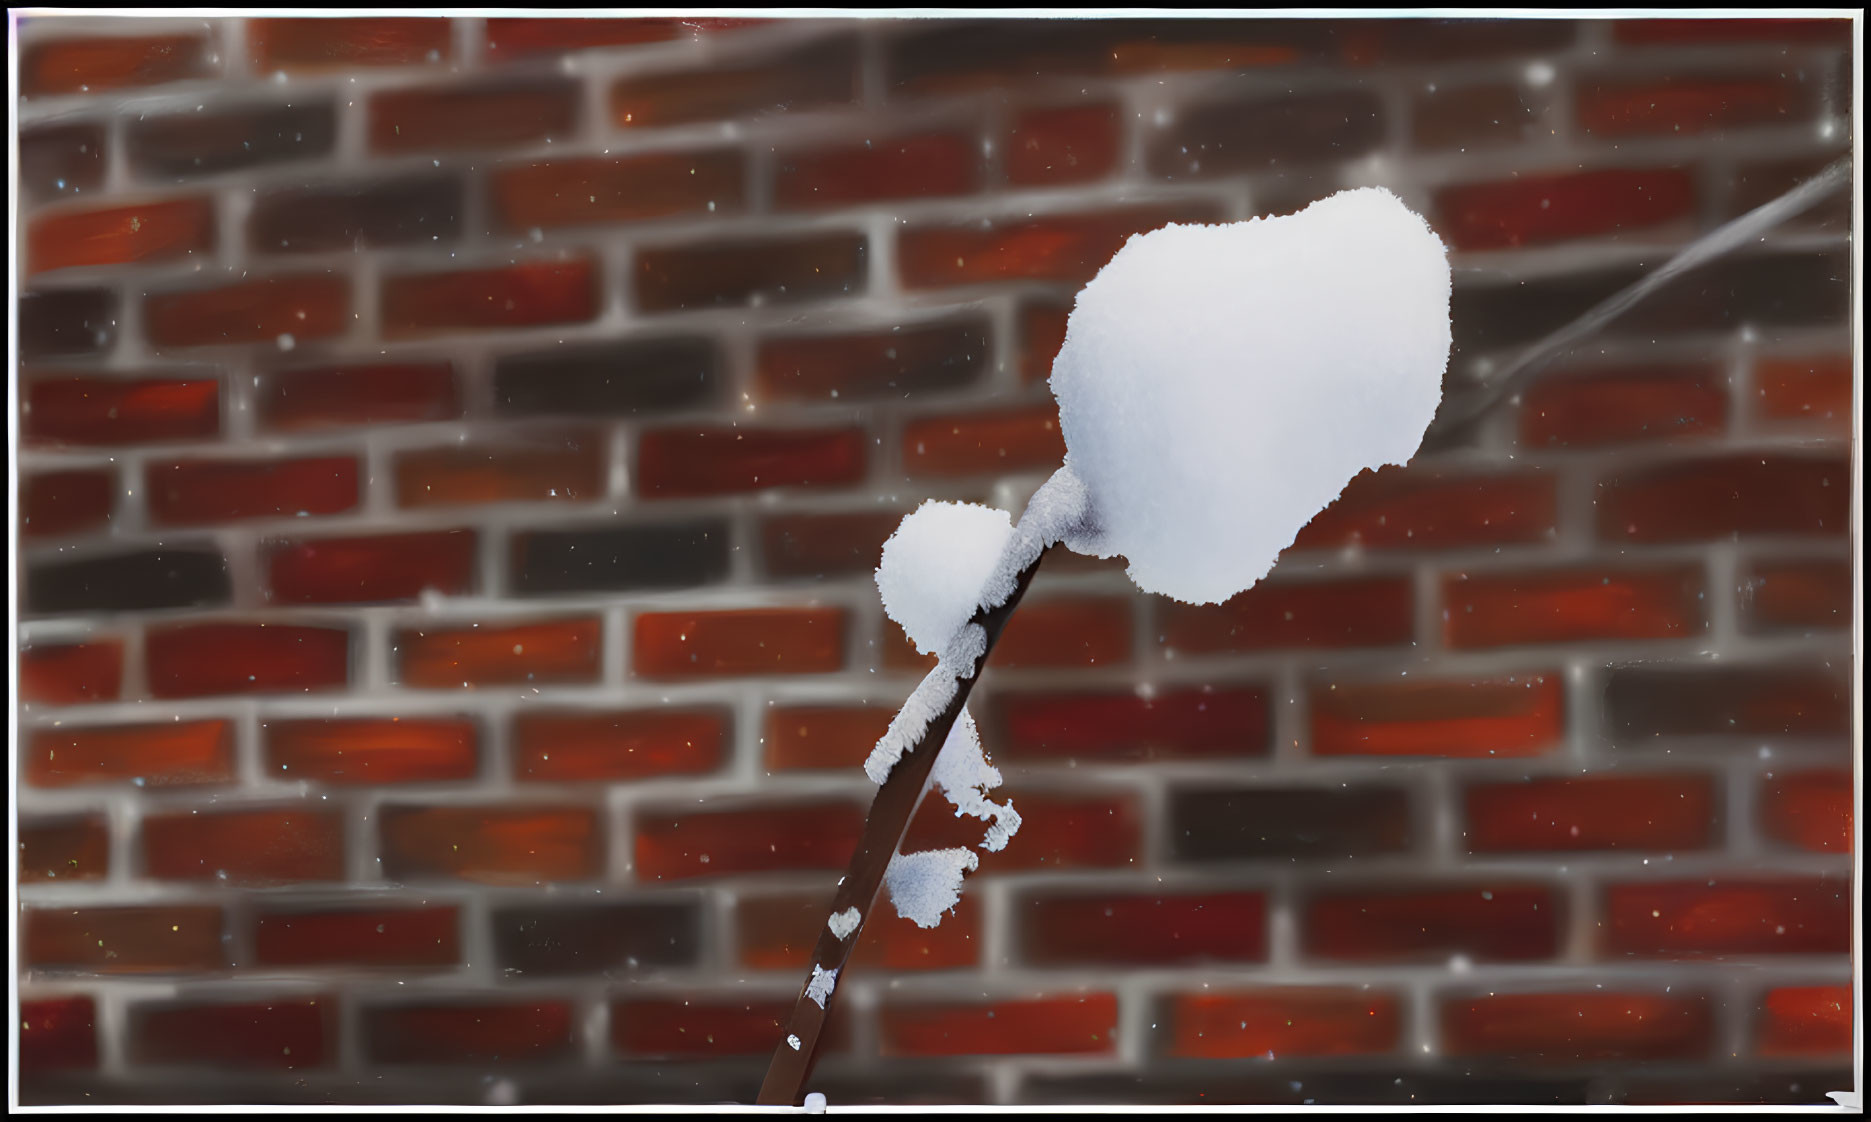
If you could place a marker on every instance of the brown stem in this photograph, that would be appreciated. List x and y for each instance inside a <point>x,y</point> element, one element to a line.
<point>883,831</point>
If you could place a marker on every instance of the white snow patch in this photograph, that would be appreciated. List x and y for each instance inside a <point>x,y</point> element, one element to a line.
<point>820,987</point>
<point>843,923</point>
<point>925,885</point>
<point>1219,385</point>
<point>792,1039</point>
<point>934,566</point>
<point>965,776</point>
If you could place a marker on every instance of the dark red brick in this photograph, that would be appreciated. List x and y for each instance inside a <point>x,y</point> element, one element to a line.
<point>203,659</point>
<point>458,1032</point>
<point>71,673</point>
<point>1718,916</point>
<point>1282,1023</point>
<point>1778,596</point>
<point>94,65</point>
<point>505,113</point>
<point>57,1034</point>
<point>532,294</point>
<point>780,933</point>
<point>385,568</point>
<point>372,750</point>
<point>61,503</point>
<point>258,310</point>
<point>899,362</point>
<point>421,209</point>
<point>1084,830</point>
<point>523,845</point>
<point>1067,248</point>
<point>1805,1021</point>
<point>1042,333</point>
<point>551,939</point>
<point>260,846</point>
<point>608,746</point>
<point>687,462</point>
<point>1541,209</point>
<point>1198,723</point>
<point>163,754</point>
<point>702,1027</point>
<point>1500,717</point>
<point>346,396</point>
<point>1478,116</point>
<point>1365,42</point>
<point>823,736</point>
<point>567,467</point>
<point>1713,499</point>
<point>988,54</point>
<point>1809,810</point>
<point>1689,104</point>
<point>1645,703</point>
<point>1260,134</point>
<point>334,44</point>
<point>1506,923</point>
<point>1752,30</point>
<point>1594,1027</point>
<point>1359,612</point>
<point>59,850</point>
<point>71,321</point>
<point>1428,508</point>
<point>825,545</point>
<point>113,411</point>
<point>1129,930</point>
<point>57,160</point>
<point>1624,405</point>
<point>166,939</point>
<point>1063,631</point>
<point>996,443</point>
<point>912,166</point>
<point>520,37</point>
<point>285,1033</point>
<point>600,190</point>
<point>1572,606</point>
<point>1034,1026</point>
<point>678,845</point>
<point>731,642</point>
<point>818,75</point>
<point>1063,144</point>
<point>193,143</point>
<point>143,233</point>
<point>751,272</point>
<point>1215,822</point>
<point>204,492</point>
<point>1816,390</point>
<point>358,937</point>
<point>1660,813</point>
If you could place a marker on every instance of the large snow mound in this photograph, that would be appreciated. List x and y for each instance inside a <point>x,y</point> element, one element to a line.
<point>1219,385</point>
<point>935,565</point>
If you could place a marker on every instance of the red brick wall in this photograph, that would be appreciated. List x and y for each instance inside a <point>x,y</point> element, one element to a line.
<point>454,453</point>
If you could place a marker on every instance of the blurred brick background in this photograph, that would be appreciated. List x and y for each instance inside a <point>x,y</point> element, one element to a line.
<point>454,456</point>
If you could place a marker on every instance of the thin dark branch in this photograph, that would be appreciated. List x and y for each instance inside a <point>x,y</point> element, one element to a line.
<point>884,827</point>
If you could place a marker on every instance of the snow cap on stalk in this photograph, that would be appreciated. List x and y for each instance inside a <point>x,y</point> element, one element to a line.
<point>1219,385</point>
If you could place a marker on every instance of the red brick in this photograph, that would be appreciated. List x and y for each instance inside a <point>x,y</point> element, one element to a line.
<point>1066,631</point>
<point>1063,144</point>
<point>751,271</point>
<point>168,939</point>
<point>736,642</point>
<point>1625,405</point>
<point>263,846</point>
<point>60,503</point>
<point>1508,923</point>
<point>1713,499</point>
<point>914,166</point>
<point>819,545</point>
<point>1571,606</point>
<point>112,411</point>
<point>523,845</point>
<point>1199,723</point>
<point>1752,30</point>
<point>576,746</point>
<point>71,673</point>
<point>285,1033</point>
<point>1130,930</point>
<point>353,937</point>
<point>531,35</point>
<point>57,850</point>
<point>334,44</point>
<point>372,750</point>
<point>57,1034</point>
<point>503,1032</point>
<point>1813,390</point>
<point>456,657</point>
<point>818,75</point>
<point>346,396</point>
<point>780,932</point>
<point>594,190</point>
<point>1035,1026</point>
<point>754,839</point>
<point>1660,813</point>
<point>250,311</point>
<point>905,360</point>
<point>57,160</point>
<point>144,233</point>
<point>163,754</point>
<point>1011,440</point>
<point>532,294</point>
<point>1464,117</point>
<point>1057,831</point>
<point>687,462</point>
<point>1541,209</point>
<point>699,1027</point>
<point>1498,718</point>
<point>1690,104</point>
<point>1723,916</point>
<point>1646,702</point>
<point>1068,248</point>
<point>1360,612</point>
<point>1365,42</point>
<point>1805,1021</point>
<point>823,736</point>
<point>506,113</point>
<point>1426,508</point>
<point>388,567</point>
<point>1282,1023</point>
<point>1042,333</point>
<point>1561,1028</point>
<point>1810,809</point>
<point>571,469</point>
<point>203,659</point>
<point>1797,595</point>
<point>203,492</point>
<point>988,55</point>
<point>93,65</point>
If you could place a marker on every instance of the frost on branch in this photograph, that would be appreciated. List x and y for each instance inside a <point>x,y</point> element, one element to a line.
<point>931,697</point>
<point>965,776</point>
<point>925,885</point>
<point>820,987</point>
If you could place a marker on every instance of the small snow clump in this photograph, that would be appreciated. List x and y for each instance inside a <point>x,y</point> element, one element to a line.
<point>965,776</point>
<point>934,566</point>
<point>925,885</point>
